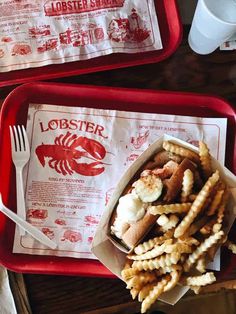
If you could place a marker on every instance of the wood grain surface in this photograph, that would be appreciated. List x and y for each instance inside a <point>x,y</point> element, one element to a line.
<point>184,71</point>
<point>19,292</point>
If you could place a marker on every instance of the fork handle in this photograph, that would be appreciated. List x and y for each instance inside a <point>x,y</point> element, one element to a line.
<point>21,211</point>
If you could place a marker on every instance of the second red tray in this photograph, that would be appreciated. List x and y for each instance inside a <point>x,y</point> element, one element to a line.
<point>171,35</point>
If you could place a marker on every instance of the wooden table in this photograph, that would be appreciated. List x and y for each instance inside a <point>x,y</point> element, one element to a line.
<point>184,71</point>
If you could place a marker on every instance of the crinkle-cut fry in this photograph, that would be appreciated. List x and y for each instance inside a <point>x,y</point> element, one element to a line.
<point>188,240</point>
<point>154,293</point>
<point>143,293</point>
<point>134,292</point>
<point>130,283</point>
<point>197,225</point>
<point>138,281</point>
<point>205,159</point>
<point>128,273</point>
<point>202,280</point>
<point>231,246</point>
<point>169,209</point>
<point>167,269</point>
<point>197,205</point>
<point>156,251</point>
<point>166,247</point>
<point>158,262</point>
<point>162,220</point>
<point>202,248</point>
<point>173,220</point>
<point>187,185</point>
<point>196,289</point>
<point>181,151</point>
<point>175,276</point>
<point>148,245</point>
<point>208,227</point>
<point>215,203</point>
<point>201,264</point>
<point>212,250</point>
<point>221,212</point>
<point>178,248</point>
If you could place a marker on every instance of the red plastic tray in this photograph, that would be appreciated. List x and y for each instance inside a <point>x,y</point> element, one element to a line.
<point>171,34</point>
<point>14,111</point>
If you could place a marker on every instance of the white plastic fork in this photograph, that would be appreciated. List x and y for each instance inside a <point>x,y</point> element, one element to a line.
<point>20,156</point>
<point>24,225</point>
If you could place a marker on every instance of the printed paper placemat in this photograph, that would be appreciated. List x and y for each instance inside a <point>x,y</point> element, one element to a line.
<point>78,156</point>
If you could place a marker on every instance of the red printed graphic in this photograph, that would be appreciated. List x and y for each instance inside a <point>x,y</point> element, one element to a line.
<point>63,155</point>
<point>72,236</point>
<point>47,45</point>
<point>2,53</point>
<point>21,50</point>
<point>52,7</point>
<point>90,239</point>
<point>138,141</point>
<point>128,29</point>
<point>37,213</point>
<point>39,31</point>
<point>6,39</point>
<point>9,8</point>
<point>75,37</point>
<point>60,222</point>
<point>119,30</point>
<point>132,157</point>
<point>90,220</point>
<point>48,232</point>
<point>108,195</point>
<point>139,33</point>
<point>90,34</point>
<point>99,33</point>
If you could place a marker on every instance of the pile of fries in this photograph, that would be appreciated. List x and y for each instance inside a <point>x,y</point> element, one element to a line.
<point>188,232</point>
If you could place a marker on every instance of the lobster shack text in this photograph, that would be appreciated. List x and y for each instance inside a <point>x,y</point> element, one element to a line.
<point>73,124</point>
<point>52,8</point>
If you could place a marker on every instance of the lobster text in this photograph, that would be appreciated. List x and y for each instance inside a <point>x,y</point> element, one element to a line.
<point>64,124</point>
<point>52,7</point>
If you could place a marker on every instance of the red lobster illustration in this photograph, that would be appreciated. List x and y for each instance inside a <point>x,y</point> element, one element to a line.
<point>139,140</point>
<point>72,236</point>
<point>63,155</point>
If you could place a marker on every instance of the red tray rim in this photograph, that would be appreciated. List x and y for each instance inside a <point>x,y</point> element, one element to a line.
<point>69,69</point>
<point>95,267</point>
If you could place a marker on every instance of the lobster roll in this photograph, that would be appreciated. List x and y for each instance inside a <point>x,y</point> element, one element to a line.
<point>131,219</point>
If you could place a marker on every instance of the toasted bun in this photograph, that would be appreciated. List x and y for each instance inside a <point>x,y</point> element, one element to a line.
<point>174,184</point>
<point>138,230</point>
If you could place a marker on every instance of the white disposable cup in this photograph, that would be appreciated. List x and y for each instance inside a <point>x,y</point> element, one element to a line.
<point>213,23</point>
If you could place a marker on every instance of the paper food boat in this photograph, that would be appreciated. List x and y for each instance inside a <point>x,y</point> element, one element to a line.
<point>112,255</point>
